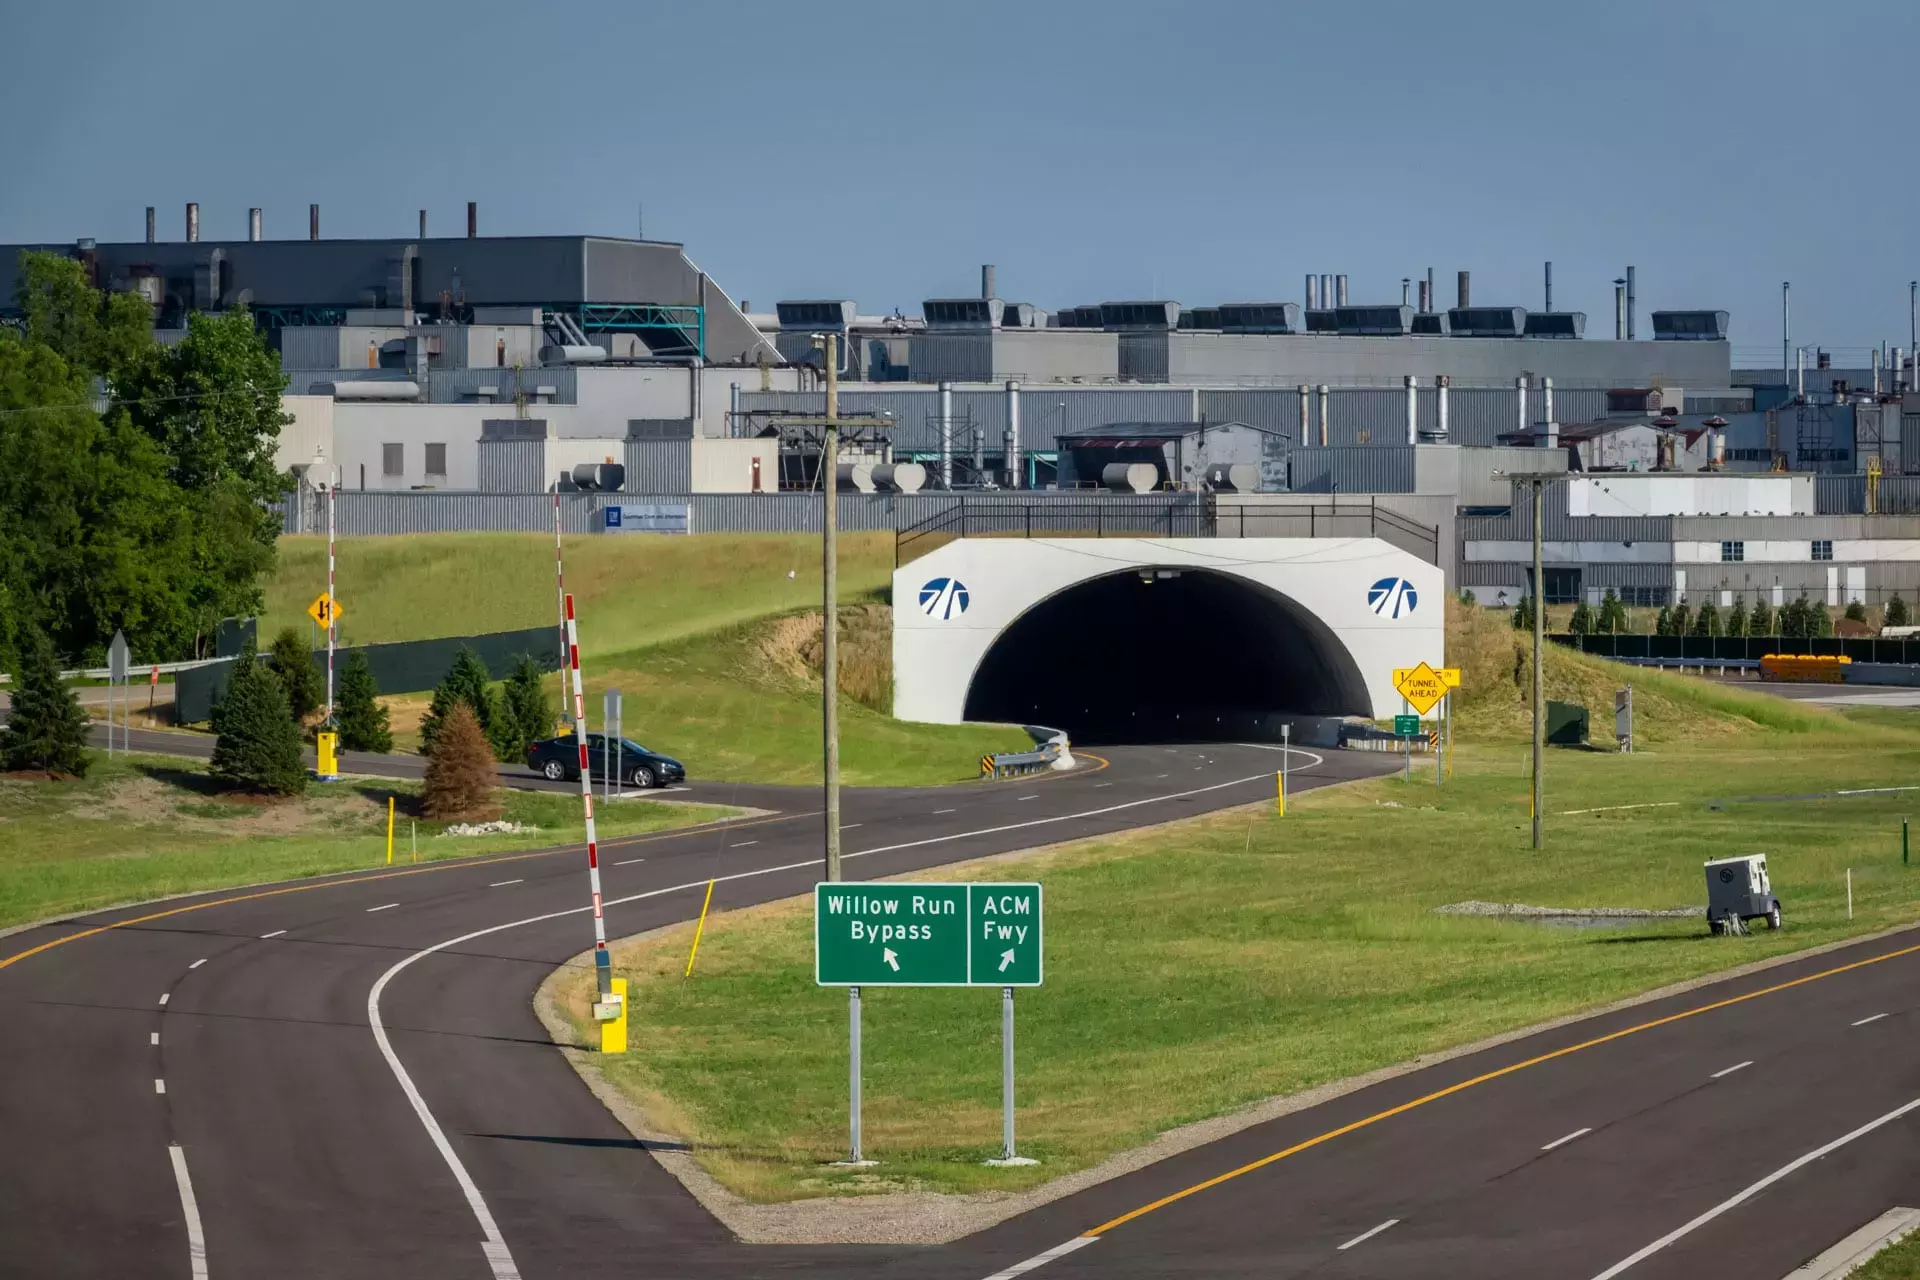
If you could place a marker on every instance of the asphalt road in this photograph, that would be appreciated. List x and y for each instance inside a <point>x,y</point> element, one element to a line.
<point>356,1085</point>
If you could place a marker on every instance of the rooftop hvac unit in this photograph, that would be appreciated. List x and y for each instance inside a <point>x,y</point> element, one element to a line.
<point>815,313</point>
<point>1201,318</point>
<point>1321,322</point>
<point>1431,324</point>
<point>1487,322</point>
<point>1373,321</point>
<point>962,313</point>
<point>1690,326</point>
<point>1139,315</point>
<point>1260,317</point>
<point>1018,315</point>
<point>1556,324</point>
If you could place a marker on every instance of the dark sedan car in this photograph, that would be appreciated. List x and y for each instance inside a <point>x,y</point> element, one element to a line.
<point>559,758</point>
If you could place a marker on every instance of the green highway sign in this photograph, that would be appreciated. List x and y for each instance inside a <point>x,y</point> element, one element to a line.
<point>1406,726</point>
<point>927,935</point>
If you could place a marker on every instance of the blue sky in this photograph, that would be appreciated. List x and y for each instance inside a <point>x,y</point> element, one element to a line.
<point>1200,150</point>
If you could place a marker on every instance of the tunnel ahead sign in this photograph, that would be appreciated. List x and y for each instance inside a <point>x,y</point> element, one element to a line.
<point>927,935</point>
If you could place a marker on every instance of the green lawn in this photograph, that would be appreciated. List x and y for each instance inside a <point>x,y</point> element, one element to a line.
<point>1199,968</point>
<point>142,827</point>
<point>629,592</point>
<point>1901,1262</point>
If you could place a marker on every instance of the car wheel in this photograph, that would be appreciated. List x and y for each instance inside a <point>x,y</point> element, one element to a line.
<point>1773,917</point>
<point>554,770</point>
<point>642,777</point>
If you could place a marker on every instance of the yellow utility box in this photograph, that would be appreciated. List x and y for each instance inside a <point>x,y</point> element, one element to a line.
<point>328,767</point>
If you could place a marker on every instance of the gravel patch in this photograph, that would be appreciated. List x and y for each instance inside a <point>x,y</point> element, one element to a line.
<point>1522,911</point>
<point>500,827</point>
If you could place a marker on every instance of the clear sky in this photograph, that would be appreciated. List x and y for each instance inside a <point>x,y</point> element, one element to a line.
<point>1189,149</point>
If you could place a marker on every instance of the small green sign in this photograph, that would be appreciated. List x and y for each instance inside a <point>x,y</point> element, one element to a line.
<point>927,935</point>
<point>1406,726</point>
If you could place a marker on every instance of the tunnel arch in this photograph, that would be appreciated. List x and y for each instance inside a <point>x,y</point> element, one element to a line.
<point>1165,653</point>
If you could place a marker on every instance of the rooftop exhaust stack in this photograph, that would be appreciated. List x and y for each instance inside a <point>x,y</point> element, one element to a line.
<point>1466,290</point>
<point>1312,300</point>
<point>253,224</point>
<point>1629,304</point>
<point>1620,310</point>
<point>1340,291</point>
<point>1426,297</point>
<point>149,224</point>
<point>1549,305</point>
<point>986,280</point>
<point>193,222</point>
<point>423,224</point>
<point>473,219</point>
<point>1326,292</point>
<point>313,222</point>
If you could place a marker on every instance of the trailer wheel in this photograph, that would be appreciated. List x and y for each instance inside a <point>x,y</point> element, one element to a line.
<point>1773,917</point>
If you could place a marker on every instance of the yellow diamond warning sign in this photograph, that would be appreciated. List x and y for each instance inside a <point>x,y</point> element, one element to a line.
<point>1422,686</point>
<point>325,610</point>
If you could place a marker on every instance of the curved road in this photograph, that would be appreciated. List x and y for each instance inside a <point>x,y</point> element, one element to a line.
<point>349,1076</point>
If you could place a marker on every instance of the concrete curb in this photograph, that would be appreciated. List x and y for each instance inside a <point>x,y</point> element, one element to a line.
<point>1851,1253</point>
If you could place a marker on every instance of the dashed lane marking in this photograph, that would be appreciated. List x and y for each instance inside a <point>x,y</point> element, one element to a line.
<point>276,933</point>
<point>159,1086</point>
<point>197,963</point>
<point>385,906</point>
<point>1727,1071</point>
<point>1042,1259</point>
<point>165,996</point>
<point>1872,1018</point>
<point>1561,1142</point>
<point>1365,1236</point>
<point>501,884</point>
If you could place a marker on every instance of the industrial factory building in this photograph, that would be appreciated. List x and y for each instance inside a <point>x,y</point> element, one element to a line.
<point>431,364</point>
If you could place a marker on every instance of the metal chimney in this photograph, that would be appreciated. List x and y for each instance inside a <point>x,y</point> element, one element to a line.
<point>1014,466</point>
<point>473,219</point>
<point>986,280</point>
<point>1629,304</point>
<point>1546,407</point>
<point>1426,296</point>
<point>1312,300</point>
<point>1326,292</point>
<point>1549,305</point>
<point>1620,309</point>
<point>1306,413</point>
<point>1466,290</point>
<point>1520,392</point>
<point>193,222</point>
<point>313,222</point>
<point>1323,415</point>
<point>1406,289</point>
<point>149,224</point>
<point>1440,428</point>
<point>253,224</point>
<point>1413,409</point>
<point>1433,299</point>
<point>423,224</point>
<point>1340,291</point>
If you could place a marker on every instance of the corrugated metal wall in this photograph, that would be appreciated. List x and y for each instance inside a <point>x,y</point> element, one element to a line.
<point>659,466</point>
<point>1847,495</point>
<point>512,466</point>
<point>1352,469</point>
<point>1045,411</point>
<point>1517,524</point>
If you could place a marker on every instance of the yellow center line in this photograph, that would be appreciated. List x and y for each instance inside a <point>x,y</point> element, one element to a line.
<point>452,864</point>
<point>1435,1096</point>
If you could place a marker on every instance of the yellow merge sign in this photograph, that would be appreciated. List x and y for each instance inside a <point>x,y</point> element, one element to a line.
<point>1422,686</point>
<point>325,611</point>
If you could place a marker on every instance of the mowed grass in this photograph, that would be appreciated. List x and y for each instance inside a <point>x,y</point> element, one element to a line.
<point>140,827</point>
<point>1197,968</point>
<point>629,591</point>
<point>1901,1262</point>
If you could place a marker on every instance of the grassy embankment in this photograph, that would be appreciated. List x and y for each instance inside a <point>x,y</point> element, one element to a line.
<point>1901,1262</point>
<point>705,637</point>
<point>140,827</point>
<point>1198,968</point>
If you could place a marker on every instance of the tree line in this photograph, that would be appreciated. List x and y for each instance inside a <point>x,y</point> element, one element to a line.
<point>1798,619</point>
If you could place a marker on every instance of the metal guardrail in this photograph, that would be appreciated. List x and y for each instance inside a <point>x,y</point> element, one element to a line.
<point>1011,764</point>
<point>146,668</point>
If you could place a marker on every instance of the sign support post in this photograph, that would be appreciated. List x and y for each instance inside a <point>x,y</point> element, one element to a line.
<point>854,1159</point>
<point>1286,758</point>
<point>1007,1154</point>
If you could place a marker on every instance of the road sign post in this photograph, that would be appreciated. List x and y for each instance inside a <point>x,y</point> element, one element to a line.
<point>118,656</point>
<point>1286,752</point>
<point>928,935</point>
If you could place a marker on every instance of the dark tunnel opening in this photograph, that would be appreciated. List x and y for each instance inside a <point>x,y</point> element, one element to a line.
<point>1166,655</point>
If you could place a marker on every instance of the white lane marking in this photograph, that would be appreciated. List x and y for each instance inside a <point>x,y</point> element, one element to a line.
<point>197,963</point>
<point>1741,1197</point>
<point>196,1237</point>
<point>1042,1259</point>
<point>938,812</point>
<point>159,1086</point>
<point>629,862</point>
<point>495,1246</point>
<point>165,997</point>
<point>1102,784</point>
<point>743,844</point>
<point>1291,752</point>
<point>385,906</point>
<point>1158,776</point>
<point>1727,1071</point>
<point>501,884</point>
<point>1615,808</point>
<point>276,933</point>
<point>153,1037</point>
<point>1874,1018</point>
<point>1035,796</point>
<point>1561,1142</point>
<point>848,826</point>
<point>1364,1236</point>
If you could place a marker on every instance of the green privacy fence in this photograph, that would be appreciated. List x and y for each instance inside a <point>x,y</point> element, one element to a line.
<point>406,666</point>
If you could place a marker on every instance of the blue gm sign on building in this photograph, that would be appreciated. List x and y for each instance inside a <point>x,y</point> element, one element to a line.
<point>1391,597</point>
<point>647,517</point>
<point>943,597</point>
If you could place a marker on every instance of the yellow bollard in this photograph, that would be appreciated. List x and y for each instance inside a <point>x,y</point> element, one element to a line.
<point>389,830</point>
<point>698,930</point>
<point>613,1033</point>
<point>1280,784</point>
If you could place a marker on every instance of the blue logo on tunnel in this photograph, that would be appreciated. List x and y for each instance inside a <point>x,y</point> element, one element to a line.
<point>1390,597</point>
<point>943,597</point>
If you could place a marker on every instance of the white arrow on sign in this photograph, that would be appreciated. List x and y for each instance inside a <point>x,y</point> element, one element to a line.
<point>1006,959</point>
<point>892,960</point>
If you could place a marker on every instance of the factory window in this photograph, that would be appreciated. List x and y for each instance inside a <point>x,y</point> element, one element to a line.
<point>437,460</point>
<point>1733,551</point>
<point>1822,549</point>
<point>1643,597</point>
<point>393,459</point>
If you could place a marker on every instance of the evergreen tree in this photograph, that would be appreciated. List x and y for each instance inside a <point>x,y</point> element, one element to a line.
<point>357,712</point>
<point>46,730</point>
<point>1707,621</point>
<point>466,681</point>
<point>1613,614</point>
<point>1682,620</point>
<point>1896,613</point>
<point>1581,623</point>
<point>1467,596</point>
<point>1819,621</point>
<point>259,744</point>
<point>525,714</point>
<point>1856,612</point>
<point>1663,625</point>
<point>1796,620</point>
<point>1762,621</point>
<point>293,667</point>
<point>1737,620</point>
<point>460,768</point>
<point>1523,614</point>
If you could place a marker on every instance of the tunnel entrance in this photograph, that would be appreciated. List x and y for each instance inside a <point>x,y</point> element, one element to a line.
<point>1166,655</point>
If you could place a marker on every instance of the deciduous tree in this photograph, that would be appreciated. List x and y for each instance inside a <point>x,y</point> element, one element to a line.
<point>460,768</point>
